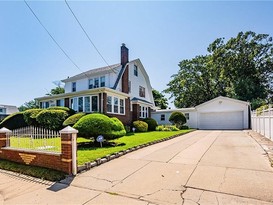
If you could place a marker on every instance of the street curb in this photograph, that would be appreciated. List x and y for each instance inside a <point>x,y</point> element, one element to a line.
<point>265,143</point>
<point>108,158</point>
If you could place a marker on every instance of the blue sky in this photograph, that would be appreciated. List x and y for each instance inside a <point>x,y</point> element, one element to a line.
<point>160,33</point>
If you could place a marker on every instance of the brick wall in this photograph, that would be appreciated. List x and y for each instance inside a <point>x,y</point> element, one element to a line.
<point>61,162</point>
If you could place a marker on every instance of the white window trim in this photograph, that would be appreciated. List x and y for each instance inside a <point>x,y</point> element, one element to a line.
<point>77,105</point>
<point>93,79</point>
<point>112,104</point>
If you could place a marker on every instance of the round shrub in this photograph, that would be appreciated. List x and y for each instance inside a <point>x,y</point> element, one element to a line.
<point>118,129</point>
<point>67,109</point>
<point>92,125</point>
<point>152,124</point>
<point>70,121</point>
<point>51,119</point>
<point>30,116</point>
<point>178,119</point>
<point>14,121</point>
<point>140,126</point>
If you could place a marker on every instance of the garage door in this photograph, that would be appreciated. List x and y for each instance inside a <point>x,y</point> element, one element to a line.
<point>221,120</point>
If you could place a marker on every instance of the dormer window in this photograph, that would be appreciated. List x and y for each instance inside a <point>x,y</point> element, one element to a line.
<point>102,81</point>
<point>90,83</point>
<point>73,86</point>
<point>135,70</point>
<point>96,82</point>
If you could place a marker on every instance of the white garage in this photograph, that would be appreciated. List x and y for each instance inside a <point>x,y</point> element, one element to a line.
<point>221,113</point>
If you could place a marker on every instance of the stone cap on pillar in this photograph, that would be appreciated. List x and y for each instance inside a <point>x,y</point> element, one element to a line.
<point>69,130</point>
<point>5,130</point>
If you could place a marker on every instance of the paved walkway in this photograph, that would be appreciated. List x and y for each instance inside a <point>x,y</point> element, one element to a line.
<point>202,167</point>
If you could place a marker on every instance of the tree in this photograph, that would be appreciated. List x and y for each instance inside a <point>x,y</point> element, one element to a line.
<point>29,105</point>
<point>56,91</point>
<point>178,119</point>
<point>241,68</point>
<point>159,99</point>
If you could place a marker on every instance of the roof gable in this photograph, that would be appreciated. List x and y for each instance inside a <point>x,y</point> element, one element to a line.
<point>222,98</point>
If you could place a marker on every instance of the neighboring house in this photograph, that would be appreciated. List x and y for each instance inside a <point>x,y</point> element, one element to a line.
<point>218,113</point>
<point>6,110</point>
<point>122,90</point>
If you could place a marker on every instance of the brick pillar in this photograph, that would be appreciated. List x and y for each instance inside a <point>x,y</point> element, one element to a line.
<point>3,137</point>
<point>69,150</point>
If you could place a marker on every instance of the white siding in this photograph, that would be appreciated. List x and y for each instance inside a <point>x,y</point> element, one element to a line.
<point>192,122</point>
<point>82,84</point>
<point>137,81</point>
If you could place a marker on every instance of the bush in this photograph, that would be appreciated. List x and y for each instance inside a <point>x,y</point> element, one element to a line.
<point>152,124</point>
<point>92,125</point>
<point>140,126</point>
<point>184,127</point>
<point>51,119</point>
<point>166,128</point>
<point>30,116</point>
<point>178,119</point>
<point>118,129</point>
<point>14,121</point>
<point>73,119</point>
<point>67,109</point>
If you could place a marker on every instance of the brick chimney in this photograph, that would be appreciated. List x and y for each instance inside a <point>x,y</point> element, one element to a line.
<point>124,55</point>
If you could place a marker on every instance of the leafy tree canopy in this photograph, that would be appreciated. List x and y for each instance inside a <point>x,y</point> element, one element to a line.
<point>159,99</point>
<point>239,68</point>
<point>56,91</point>
<point>28,105</point>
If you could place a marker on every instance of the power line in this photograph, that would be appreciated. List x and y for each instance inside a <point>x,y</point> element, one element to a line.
<point>53,37</point>
<point>88,37</point>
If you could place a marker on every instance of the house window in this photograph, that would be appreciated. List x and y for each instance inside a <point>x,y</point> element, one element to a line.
<point>94,103</point>
<point>73,86</point>
<point>75,104</point>
<point>135,70</point>
<point>46,104</point>
<point>90,83</point>
<point>109,103</point>
<point>141,91</point>
<point>3,110</point>
<point>162,117</point>
<point>115,105</point>
<point>80,104</point>
<point>60,102</point>
<point>87,104</point>
<point>187,116</point>
<point>102,81</point>
<point>143,112</point>
<point>41,104</point>
<point>96,82</point>
<point>121,104</point>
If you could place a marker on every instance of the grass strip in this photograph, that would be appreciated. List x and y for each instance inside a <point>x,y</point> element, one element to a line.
<point>131,140</point>
<point>34,171</point>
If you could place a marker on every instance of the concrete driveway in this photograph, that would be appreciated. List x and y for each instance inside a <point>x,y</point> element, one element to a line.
<point>202,167</point>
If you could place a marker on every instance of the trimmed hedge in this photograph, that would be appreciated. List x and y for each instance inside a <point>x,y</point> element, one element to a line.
<point>152,124</point>
<point>140,126</point>
<point>73,119</point>
<point>167,128</point>
<point>92,125</point>
<point>14,121</point>
<point>30,116</point>
<point>178,119</point>
<point>51,119</point>
<point>68,110</point>
<point>118,129</point>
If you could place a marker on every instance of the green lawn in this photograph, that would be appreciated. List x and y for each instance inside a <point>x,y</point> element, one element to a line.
<point>51,144</point>
<point>92,153</point>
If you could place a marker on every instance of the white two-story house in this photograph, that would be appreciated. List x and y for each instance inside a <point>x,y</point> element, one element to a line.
<point>122,90</point>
